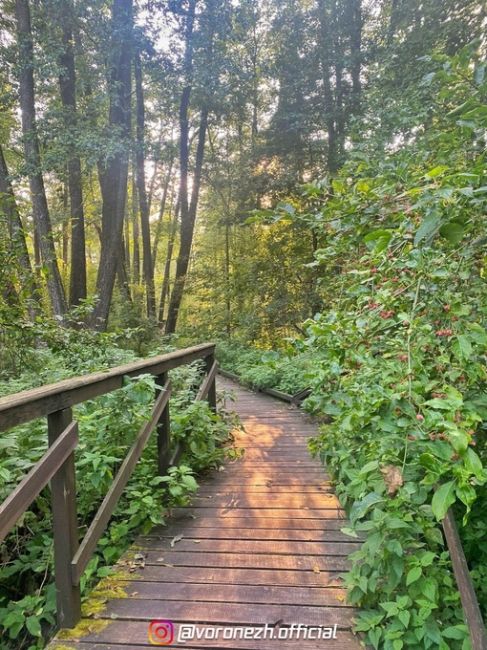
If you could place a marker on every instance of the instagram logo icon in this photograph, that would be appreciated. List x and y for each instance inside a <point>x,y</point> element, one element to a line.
<point>161,632</point>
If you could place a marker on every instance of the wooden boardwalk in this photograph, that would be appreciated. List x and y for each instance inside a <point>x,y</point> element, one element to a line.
<point>260,544</point>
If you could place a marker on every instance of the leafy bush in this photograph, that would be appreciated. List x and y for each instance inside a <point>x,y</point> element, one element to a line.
<point>283,369</point>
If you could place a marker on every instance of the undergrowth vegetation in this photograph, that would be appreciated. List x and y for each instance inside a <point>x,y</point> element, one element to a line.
<point>398,360</point>
<point>107,426</point>
<point>284,369</point>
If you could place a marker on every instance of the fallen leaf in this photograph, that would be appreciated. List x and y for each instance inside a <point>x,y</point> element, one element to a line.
<point>316,569</point>
<point>393,478</point>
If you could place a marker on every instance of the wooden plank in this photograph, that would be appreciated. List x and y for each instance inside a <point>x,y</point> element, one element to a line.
<point>473,616</point>
<point>273,547</point>
<point>200,533</point>
<point>229,575</point>
<point>65,525</point>
<point>285,501</point>
<point>218,593</point>
<point>132,635</point>
<point>31,404</point>
<point>163,429</point>
<point>38,477</point>
<point>296,515</point>
<point>228,613</point>
<point>280,523</point>
<point>236,490</point>
<point>105,511</point>
<point>245,561</point>
<point>208,389</point>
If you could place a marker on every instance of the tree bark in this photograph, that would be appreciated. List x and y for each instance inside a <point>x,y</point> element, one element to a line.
<point>33,159</point>
<point>67,85</point>
<point>115,173</point>
<point>167,266</point>
<point>147,265</point>
<point>355,27</point>
<point>328,101</point>
<point>135,233</point>
<point>187,229</point>
<point>162,209</point>
<point>17,238</point>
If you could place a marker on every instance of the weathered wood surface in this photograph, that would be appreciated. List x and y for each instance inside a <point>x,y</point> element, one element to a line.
<point>260,544</point>
<point>37,402</point>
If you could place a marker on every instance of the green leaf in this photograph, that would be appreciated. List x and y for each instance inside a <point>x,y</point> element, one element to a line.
<point>459,440</point>
<point>473,463</point>
<point>378,240</point>
<point>464,346</point>
<point>453,232</point>
<point>437,171</point>
<point>33,625</point>
<point>427,229</point>
<point>457,632</point>
<point>413,575</point>
<point>443,498</point>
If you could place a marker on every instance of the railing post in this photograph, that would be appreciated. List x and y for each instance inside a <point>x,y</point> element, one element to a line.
<point>210,360</point>
<point>471,609</point>
<point>163,432</point>
<point>65,526</point>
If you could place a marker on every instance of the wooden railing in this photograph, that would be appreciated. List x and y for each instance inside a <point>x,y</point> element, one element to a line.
<point>471,609</point>
<point>57,464</point>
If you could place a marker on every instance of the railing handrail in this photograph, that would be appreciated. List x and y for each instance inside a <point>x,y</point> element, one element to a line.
<point>57,464</point>
<point>31,404</point>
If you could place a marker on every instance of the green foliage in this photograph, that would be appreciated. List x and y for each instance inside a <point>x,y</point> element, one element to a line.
<point>181,484</point>
<point>285,369</point>
<point>397,359</point>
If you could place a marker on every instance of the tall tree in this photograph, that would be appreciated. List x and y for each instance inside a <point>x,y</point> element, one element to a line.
<point>114,170</point>
<point>42,221</point>
<point>67,85</point>
<point>183,258</point>
<point>147,264</point>
<point>9,207</point>
<point>211,22</point>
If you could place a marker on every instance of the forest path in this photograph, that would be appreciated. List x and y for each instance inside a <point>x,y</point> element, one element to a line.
<point>260,544</point>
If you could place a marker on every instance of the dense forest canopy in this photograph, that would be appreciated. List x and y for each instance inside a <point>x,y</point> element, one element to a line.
<point>138,139</point>
<point>303,181</point>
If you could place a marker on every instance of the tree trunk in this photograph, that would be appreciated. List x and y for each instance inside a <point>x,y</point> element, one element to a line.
<point>167,266</point>
<point>187,229</point>
<point>17,237</point>
<point>161,213</point>
<point>33,159</point>
<point>326,67</point>
<point>183,171</point>
<point>67,85</point>
<point>115,173</point>
<point>135,231</point>
<point>122,274</point>
<point>355,26</point>
<point>147,265</point>
<point>338,57</point>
